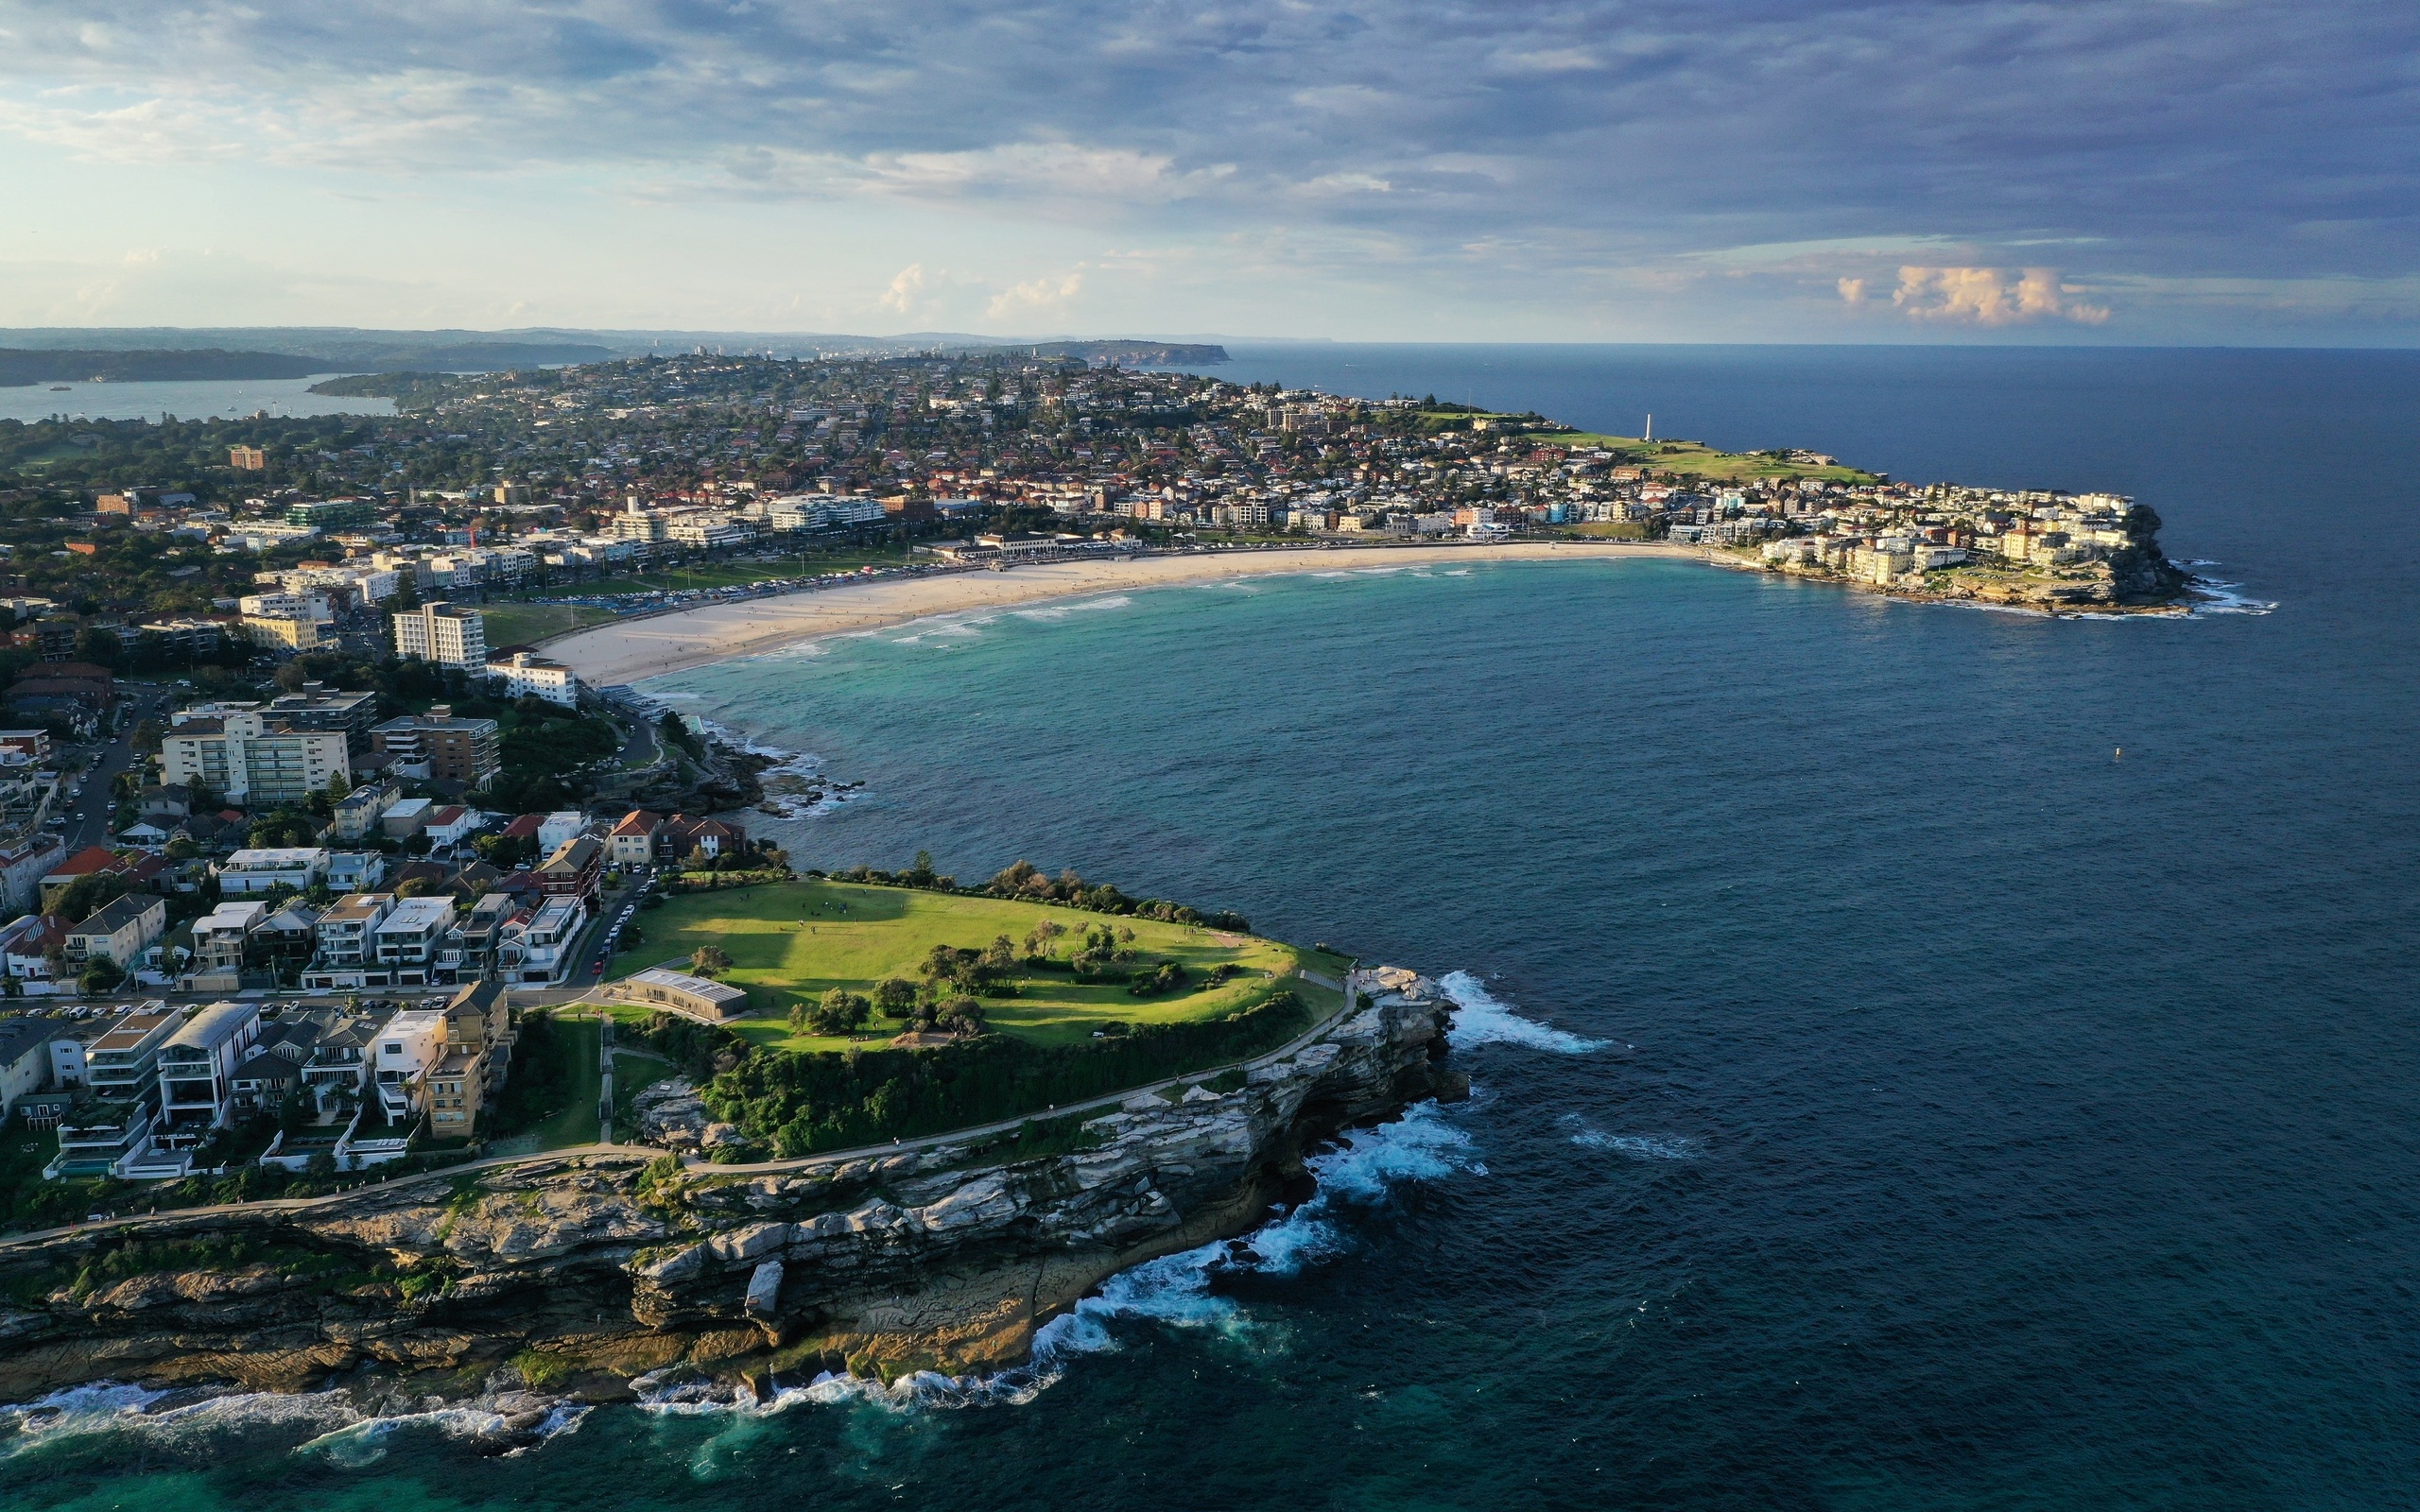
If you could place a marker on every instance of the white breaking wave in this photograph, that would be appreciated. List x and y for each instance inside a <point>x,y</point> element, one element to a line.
<point>345,1434</point>
<point>1060,612</point>
<point>1173,1291</point>
<point>2222,598</point>
<point>1484,1021</point>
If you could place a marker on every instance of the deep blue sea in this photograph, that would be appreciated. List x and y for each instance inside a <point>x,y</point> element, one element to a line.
<point>1890,1095</point>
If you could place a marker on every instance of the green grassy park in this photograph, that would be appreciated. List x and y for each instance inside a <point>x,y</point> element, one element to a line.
<point>1695,459</point>
<point>790,942</point>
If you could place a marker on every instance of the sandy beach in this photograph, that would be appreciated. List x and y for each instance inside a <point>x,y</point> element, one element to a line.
<point>631,649</point>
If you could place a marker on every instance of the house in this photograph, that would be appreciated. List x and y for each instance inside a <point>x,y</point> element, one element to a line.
<point>25,1059</point>
<point>221,940</point>
<point>406,1047</point>
<point>198,1070</point>
<point>408,940</point>
<point>631,843</point>
<point>356,871</point>
<point>406,817</point>
<point>558,827</point>
<point>300,867</point>
<point>539,946</point>
<point>26,944</point>
<point>33,745</point>
<point>449,825</point>
<point>273,1072</point>
<point>23,867</point>
<point>576,870</point>
<point>347,941</point>
<point>681,838</point>
<point>143,834</point>
<point>119,931</point>
<point>170,800</point>
<point>289,937</point>
<point>471,954</point>
<point>91,861</point>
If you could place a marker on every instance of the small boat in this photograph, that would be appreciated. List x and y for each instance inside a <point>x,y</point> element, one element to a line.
<point>59,388</point>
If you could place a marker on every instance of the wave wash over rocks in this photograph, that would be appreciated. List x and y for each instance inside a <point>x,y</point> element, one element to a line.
<point>591,1271</point>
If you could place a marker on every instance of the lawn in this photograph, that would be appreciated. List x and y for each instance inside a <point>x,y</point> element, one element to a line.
<point>792,941</point>
<point>1701,461</point>
<point>549,1100</point>
<point>533,614</point>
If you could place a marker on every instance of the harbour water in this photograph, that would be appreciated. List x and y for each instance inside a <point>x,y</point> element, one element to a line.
<point>198,398</point>
<point>1889,1094</point>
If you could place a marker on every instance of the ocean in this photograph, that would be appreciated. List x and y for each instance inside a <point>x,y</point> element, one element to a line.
<point>1925,1057</point>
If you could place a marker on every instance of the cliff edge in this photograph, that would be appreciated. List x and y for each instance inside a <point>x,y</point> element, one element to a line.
<point>587,1271</point>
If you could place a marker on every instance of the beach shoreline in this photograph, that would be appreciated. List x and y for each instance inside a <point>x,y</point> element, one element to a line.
<point>656,645</point>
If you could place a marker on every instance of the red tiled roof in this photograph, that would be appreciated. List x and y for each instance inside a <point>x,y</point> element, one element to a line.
<point>84,863</point>
<point>525,828</point>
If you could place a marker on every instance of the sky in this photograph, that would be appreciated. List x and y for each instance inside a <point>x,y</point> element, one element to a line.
<point>2122,171</point>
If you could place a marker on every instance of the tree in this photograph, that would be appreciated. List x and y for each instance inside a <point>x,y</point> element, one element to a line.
<point>895,997</point>
<point>1002,955</point>
<point>99,646</point>
<point>1042,936</point>
<point>709,961</point>
<point>100,975</point>
<point>839,1012</point>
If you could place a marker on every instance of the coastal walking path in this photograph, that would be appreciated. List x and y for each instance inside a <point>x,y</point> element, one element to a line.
<point>897,1146</point>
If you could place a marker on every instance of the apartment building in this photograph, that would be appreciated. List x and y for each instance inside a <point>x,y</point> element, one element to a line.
<point>259,870</point>
<point>119,931</point>
<point>251,759</point>
<point>220,939</point>
<point>525,673</point>
<point>437,745</point>
<point>197,1068</point>
<point>441,633</point>
<point>408,938</point>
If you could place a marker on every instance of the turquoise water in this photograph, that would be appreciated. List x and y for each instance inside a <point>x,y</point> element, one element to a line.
<point>1890,1096</point>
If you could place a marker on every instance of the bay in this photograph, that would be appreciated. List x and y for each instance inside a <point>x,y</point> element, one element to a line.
<point>196,399</point>
<point>1889,1094</point>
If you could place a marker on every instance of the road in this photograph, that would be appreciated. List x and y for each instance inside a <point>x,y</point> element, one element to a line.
<point>652,1152</point>
<point>90,797</point>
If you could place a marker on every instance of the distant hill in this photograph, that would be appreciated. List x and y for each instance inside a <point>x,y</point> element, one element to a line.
<point>1137,353</point>
<point>21,369</point>
<point>352,349</point>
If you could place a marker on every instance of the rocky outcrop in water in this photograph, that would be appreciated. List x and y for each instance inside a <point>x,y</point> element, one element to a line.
<point>588,1270</point>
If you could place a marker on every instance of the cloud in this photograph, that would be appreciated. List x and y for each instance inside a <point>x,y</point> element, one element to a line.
<point>1852,291</point>
<point>904,290</point>
<point>1983,296</point>
<point>1036,293</point>
<point>1613,141</point>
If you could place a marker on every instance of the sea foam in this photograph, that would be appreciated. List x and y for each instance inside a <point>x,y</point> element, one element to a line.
<point>1173,1291</point>
<point>1485,1021</point>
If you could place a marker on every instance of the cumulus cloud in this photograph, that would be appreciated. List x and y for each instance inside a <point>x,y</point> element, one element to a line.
<point>1614,136</point>
<point>1984,296</point>
<point>905,288</point>
<point>1036,294</point>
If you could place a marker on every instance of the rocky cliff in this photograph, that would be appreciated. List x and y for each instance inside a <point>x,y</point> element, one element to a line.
<point>587,1271</point>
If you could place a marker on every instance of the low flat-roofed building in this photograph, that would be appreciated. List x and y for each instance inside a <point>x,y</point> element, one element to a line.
<point>693,997</point>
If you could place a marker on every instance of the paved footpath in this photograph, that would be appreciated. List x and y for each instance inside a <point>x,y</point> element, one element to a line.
<point>900,1146</point>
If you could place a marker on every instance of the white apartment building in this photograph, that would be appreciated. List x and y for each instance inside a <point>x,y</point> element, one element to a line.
<point>527,674</point>
<point>258,871</point>
<point>252,762</point>
<point>408,1044</point>
<point>438,632</point>
<point>408,938</point>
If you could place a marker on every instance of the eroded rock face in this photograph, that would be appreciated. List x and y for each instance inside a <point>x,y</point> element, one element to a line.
<point>934,1257</point>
